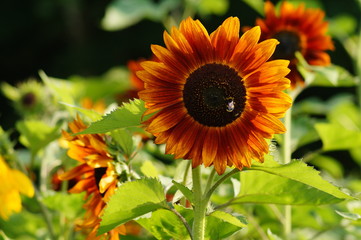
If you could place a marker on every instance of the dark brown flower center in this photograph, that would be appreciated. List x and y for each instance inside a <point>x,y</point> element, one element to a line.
<point>289,44</point>
<point>214,95</point>
<point>28,99</point>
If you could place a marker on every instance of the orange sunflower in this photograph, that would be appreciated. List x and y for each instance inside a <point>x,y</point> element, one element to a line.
<point>215,98</point>
<point>297,29</point>
<point>98,177</point>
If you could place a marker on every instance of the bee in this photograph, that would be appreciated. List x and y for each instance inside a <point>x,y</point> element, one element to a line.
<point>230,104</point>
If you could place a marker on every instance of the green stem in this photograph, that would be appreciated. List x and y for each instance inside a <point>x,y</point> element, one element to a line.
<point>287,151</point>
<point>200,206</point>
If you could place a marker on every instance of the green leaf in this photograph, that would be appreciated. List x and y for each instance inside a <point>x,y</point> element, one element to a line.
<point>350,216</point>
<point>186,191</point>
<point>164,224</point>
<point>125,140</point>
<point>325,76</point>
<point>335,137</point>
<point>90,113</point>
<point>294,183</point>
<point>35,135</point>
<point>68,204</point>
<point>342,26</point>
<point>219,228</point>
<point>346,114</point>
<point>303,131</point>
<point>331,165</point>
<point>132,200</point>
<point>124,13</point>
<point>128,115</point>
<point>257,5</point>
<point>149,170</point>
<point>227,217</point>
<point>63,90</point>
<point>272,236</point>
<point>207,7</point>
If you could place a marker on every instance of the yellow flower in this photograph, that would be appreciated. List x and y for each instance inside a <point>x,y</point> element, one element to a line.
<point>215,96</point>
<point>13,182</point>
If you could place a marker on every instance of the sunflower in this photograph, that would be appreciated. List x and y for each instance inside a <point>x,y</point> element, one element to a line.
<point>215,98</point>
<point>98,177</point>
<point>13,182</point>
<point>297,29</point>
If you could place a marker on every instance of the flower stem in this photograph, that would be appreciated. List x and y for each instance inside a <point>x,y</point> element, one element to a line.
<point>287,151</point>
<point>200,206</point>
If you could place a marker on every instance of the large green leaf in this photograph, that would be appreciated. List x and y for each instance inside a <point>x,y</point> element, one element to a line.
<point>294,183</point>
<point>132,200</point>
<point>128,115</point>
<point>35,135</point>
<point>164,224</point>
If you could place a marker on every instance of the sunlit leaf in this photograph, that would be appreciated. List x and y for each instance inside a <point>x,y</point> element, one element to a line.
<point>128,115</point>
<point>124,13</point>
<point>350,216</point>
<point>346,114</point>
<point>239,221</point>
<point>35,135</point>
<point>132,200</point>
<point>149,170</point>
<point>124,138</point>
<point>325,76</point>
<point>218,7</point>
<point>221,226</point>
<point>90,113</point>
<point>335,137</point>
<point>294,183</point>
<point>186,191</point>
<point>164,224</point>
<point>331,165</point>
<point>236,186</point>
